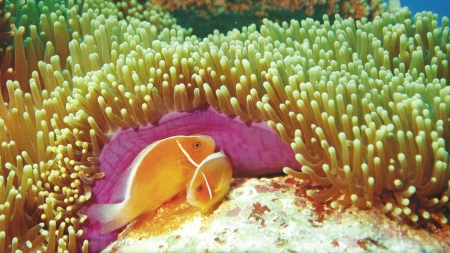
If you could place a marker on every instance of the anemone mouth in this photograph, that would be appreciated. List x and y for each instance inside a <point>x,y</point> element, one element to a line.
<point>364,106</point>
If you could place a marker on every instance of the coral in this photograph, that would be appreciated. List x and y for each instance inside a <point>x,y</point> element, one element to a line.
<point>355,8</point>
<point>208,9</point>
<point>205,16</point>
<point>272,215</point>
<point>263,8</point>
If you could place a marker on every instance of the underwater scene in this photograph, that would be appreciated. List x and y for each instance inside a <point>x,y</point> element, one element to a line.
<point>224,126</point>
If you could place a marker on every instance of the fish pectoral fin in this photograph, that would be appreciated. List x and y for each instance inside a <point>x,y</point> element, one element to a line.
<point>180,194</point>
<point>143,217</point>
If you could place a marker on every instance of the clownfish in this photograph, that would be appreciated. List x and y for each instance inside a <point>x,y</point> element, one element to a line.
<point>157,174</point>
<point>211,181</point>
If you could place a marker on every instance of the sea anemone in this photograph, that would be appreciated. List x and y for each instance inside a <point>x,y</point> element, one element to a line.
<point>366,120</point>
<point>369,116</point>
<point>364,106</point>
<point>45,179</point>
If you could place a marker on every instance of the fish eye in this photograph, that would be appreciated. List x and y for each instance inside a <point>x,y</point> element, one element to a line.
<point>199,188</point>
<point>196,145</point>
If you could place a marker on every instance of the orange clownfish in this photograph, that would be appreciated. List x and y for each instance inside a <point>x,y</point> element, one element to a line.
<point>211,181</point>
<point>157,174</point>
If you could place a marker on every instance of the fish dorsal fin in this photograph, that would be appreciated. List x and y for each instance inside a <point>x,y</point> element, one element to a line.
<point>186,154</point>
<point>207,186</point>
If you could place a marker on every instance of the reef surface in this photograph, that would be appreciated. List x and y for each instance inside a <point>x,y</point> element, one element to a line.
<point>269,215</point>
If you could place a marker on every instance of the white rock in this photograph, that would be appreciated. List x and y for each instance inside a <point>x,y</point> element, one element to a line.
<point>272,215</point>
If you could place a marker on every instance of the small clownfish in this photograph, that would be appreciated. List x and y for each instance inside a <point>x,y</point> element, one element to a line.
<point>211,181</point>
<point>157,174</point>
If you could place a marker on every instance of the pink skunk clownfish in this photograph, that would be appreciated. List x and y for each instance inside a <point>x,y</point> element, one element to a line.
<point>211,181</point>
<point>157,174</point>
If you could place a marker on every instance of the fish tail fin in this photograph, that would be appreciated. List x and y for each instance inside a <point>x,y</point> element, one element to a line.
<point>110,216</point>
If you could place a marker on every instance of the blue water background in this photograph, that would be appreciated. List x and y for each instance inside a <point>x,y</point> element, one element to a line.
<point>440,7</point>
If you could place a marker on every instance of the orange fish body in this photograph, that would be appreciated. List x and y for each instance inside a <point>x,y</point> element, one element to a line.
<point>211,181</point>
<point>157,174</point>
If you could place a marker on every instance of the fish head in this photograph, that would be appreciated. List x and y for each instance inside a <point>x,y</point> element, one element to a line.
<point>211,181</point>
<point>196,147</point>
